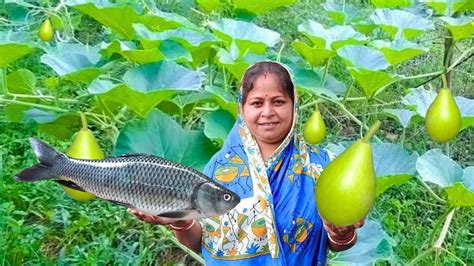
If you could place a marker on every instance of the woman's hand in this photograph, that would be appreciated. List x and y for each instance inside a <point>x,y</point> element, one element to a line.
<point>342,237</point>
<point>152,219</point>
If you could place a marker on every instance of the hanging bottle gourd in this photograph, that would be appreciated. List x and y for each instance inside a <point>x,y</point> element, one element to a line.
<point>314,130</point>
<point>443,118</point>
<point>46,31</point>
<point>84,146</point>
<point>345,190</point>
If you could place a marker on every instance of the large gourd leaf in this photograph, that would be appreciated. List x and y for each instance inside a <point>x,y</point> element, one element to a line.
<point>314,56</point>
<point>236,64</point>
<point>13,46</point>
<point>391,3</point>
<point>159,135</point>
<point>341,14</point>
<point>439,169</point>
<point>403,116</point>
<point>217,125</point>
<point>366,65</point>
<point>332,38</point>
<point>246,35</point>
<point>129,51</point>
<point>21,81</point>
<point>461,27</point>
<point>61,126</point>
<point>75,62</point>
<point>400,50</point>
<point>261,6</point>
<point>404,23</point>
<point>145,86</point>
<point>421,100</point>
<point>373,244</point>
<point>311,81</point>
<point>449,7</point>
<point>393,165</point>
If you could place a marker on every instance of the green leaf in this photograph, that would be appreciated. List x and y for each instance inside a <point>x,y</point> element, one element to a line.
<point>21,81</point>
<point>311,81</point>
<point>332,38</point>
<point>399,50</point>
<point>439,169</point>
<point>39,116</point>
<point>147,85</point>
<point>314,56</point>
<point>237,66</point>
<point>468,178</point>
<point>393,165</point>
<point>401,22</point>
<point>461,27</point>
<point>224,99</point>
<point>175,51</point>
<point>341,14</point>
<point>262,6</point>
<point>75,62</point>
<point>365,27</point>
<point>246,35</point>
<point>359,56</point>
<point>403,116</point>
<point>13,46</point>
<point>209,5</point>
<point>129,51</point>
<point>119,18</point>
<point>372,81</point>
<point>160,135</point>
<point>218,124</point>
<point>421,100</point>
<point>372,245</point>
<point>391,3</point>
<point>460,196</point>
<point>449,7</point>
<point>63,127</point>
<point>191,39</point>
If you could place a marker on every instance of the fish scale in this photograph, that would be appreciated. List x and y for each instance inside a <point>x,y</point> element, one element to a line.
<point>147,183</point>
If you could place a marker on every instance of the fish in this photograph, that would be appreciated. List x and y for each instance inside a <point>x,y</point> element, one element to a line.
<point>147,183</point>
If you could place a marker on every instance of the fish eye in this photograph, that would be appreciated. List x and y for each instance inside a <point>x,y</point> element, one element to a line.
<point>227,197</point>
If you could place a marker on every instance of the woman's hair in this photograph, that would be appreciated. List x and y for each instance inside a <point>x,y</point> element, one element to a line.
<point>264,68</point>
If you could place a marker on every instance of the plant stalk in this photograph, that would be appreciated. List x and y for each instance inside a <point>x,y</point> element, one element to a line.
<point>445,229</point>
<point>372,131</point>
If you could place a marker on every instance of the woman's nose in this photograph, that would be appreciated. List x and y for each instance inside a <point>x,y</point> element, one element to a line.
<point>268,110</point>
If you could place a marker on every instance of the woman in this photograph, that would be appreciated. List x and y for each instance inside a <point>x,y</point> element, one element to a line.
<point>274,172</point>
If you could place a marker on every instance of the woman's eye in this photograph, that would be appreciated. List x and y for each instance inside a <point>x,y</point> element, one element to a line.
<point>279,102</point>
<point>256,103</point>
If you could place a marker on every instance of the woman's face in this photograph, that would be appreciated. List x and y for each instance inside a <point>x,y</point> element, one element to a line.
<point>268,110</point>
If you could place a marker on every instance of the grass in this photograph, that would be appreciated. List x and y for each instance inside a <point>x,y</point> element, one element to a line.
<point>40,225</point>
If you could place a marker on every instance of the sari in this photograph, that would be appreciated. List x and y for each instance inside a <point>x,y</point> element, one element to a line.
<point>276,222</point>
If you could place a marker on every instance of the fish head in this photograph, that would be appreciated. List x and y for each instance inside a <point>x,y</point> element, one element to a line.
<point>213,199</point>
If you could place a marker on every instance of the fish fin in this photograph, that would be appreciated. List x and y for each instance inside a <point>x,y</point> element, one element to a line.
<point>37,172</point>
<point>133,154</point>
<point>46,154</point>
<point>176,214</point>
<point>122,204</point>
<point>48,158</point>
<point>70,184</point>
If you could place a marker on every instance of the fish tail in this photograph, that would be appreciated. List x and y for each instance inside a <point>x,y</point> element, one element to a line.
<point>46,169</point>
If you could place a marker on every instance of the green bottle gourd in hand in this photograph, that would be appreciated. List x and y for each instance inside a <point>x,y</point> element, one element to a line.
<point>345,190</point>
<point>84,146</point>
<point>443,118</point>
<point>314,130</point>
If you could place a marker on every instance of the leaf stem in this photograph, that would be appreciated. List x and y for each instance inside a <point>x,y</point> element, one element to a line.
<point>3,74</point>
<point>83,121</point>
<point>402,139</point>
<point>421,256</point>
<point>225,78</point>
<point>447,149</point>
<point>42,106</point>
<point>431,191</point>
<point>423,75</point>
<point>326,70</point>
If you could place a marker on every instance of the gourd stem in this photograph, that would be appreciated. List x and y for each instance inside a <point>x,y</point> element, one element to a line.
<point>84,121</point>
<point>372,131</point>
